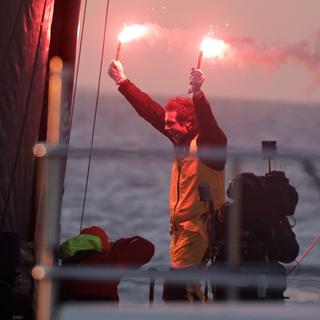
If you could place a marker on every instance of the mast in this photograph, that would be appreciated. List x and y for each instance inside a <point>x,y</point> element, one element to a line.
<point>50,177</point>
<point>58,94</point>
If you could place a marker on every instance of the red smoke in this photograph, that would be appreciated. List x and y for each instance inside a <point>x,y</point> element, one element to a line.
<point>244,50</point>
<point>306,52</point>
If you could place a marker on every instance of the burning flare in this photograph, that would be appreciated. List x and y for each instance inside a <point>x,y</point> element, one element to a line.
<point>130,33</point>
<point>212,48</point>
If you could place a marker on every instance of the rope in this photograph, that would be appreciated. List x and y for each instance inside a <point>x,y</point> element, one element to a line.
<point>310,247</point>
<point>95,114</point>
<point>24,119</point>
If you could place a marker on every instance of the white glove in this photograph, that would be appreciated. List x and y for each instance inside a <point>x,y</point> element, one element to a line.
<point>115,71</point>
<point>196,79</point>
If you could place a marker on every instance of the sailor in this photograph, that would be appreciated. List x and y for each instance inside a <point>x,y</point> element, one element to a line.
<point>93,248</point>
<point>189,124</point>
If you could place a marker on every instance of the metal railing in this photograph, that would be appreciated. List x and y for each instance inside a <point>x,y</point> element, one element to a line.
<point>50,179</point>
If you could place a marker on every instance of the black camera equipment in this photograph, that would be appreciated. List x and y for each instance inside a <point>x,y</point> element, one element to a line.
<point>267,238</point>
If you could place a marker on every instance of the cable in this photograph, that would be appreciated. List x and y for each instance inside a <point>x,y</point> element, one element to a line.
<point>95,114</point>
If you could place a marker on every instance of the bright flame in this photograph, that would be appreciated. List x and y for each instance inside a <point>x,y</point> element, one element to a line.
<point>132,32</point>
<point>213,48</point>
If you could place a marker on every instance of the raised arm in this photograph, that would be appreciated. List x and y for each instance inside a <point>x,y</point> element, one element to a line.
<point>147,108</point>
<point>210,134</point>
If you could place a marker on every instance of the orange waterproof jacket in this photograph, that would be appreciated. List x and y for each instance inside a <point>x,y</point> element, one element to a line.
<point>187,247</point>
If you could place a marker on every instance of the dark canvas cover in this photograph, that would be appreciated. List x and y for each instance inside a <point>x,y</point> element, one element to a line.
<point>31,32</point>
<point>24,46</point>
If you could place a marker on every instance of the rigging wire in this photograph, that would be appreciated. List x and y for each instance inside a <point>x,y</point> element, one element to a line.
<point>95,113</point>
<point>26,112</point>
<point>75,85</point>
<point>78,64</point>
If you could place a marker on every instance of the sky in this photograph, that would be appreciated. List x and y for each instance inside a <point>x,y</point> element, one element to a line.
<point>274,45</point>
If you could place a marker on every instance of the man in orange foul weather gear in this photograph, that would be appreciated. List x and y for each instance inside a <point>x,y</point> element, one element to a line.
<point>189,124</point>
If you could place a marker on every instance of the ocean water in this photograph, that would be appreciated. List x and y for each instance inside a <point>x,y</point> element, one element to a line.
<point>128,195</point>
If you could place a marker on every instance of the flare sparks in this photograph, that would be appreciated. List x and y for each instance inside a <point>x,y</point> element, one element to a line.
<point>130,33</point>
<point>212,48</point>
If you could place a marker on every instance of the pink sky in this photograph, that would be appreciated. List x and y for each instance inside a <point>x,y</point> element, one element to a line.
<point>277,46</point>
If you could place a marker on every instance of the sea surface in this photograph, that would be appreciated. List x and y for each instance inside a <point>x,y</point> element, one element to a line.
<point>128,194</point>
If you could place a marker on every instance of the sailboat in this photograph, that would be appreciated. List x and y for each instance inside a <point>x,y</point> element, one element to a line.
<point>32,33</point>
